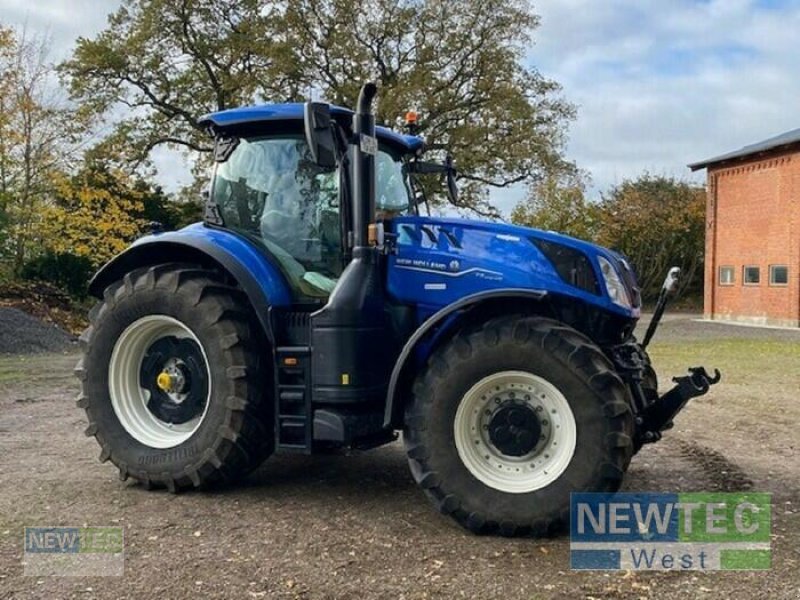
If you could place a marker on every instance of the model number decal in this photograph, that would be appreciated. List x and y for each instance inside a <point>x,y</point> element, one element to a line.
<point>425,266</point>
<point>421,263</point>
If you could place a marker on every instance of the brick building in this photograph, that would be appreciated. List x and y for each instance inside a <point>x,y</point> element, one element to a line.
<point>752,269</point>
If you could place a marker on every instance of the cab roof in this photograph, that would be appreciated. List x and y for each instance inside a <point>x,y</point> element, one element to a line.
<point>294,111</point>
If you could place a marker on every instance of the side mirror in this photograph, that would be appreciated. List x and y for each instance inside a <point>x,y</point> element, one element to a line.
<point>451,173</point>
<point>319,134</point>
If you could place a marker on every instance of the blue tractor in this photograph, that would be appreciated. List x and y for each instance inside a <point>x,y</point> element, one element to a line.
<point>316,309</point>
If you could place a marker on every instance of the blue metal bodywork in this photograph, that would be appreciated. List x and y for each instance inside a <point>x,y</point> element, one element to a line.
<point>244,252</point>
<point>224,250</point>
<point>440,261</point>
<point>293,111</point>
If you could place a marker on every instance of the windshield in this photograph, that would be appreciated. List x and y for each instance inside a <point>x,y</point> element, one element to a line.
<point>271,190</point>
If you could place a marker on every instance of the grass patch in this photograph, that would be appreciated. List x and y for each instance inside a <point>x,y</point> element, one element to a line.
<point>741,361</point>
<point>36,368</point>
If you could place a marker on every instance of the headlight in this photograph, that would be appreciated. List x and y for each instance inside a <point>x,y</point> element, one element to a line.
<point>614,286</point>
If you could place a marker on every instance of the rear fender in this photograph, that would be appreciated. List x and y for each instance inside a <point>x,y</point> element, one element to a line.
<point>437,327</point>
<point>248,265</point>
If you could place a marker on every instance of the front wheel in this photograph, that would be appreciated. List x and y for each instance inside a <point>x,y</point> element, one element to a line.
<point>509,418</point>
<point>173,380</point>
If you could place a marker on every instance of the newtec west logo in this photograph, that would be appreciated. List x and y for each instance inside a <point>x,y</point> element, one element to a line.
<point>697,531</point>
<point>75,540</point>
<point>74,551</point>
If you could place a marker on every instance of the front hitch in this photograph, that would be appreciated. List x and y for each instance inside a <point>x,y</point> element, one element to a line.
<point>658,416</point>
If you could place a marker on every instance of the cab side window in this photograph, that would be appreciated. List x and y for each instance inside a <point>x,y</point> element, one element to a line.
<point>270,189</point>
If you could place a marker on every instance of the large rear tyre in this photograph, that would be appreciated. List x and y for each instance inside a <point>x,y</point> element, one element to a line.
<point>173,380</point>
<point>509,418</point>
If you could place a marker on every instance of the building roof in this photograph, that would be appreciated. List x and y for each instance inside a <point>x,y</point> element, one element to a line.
<point>773,143</point>
<point>294,111</point>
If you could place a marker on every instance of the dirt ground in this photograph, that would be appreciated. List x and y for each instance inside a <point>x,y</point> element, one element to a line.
<point>357,526</point>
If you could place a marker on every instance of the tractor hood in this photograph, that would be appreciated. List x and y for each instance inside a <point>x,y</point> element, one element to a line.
<point>458,257</point>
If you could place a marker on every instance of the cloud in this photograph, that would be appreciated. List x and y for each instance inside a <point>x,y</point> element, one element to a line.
<point>658,84</point>
<point>662,84</point>
<point>63,20</point>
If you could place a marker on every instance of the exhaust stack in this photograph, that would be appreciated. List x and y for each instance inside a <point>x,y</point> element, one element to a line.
<point>364,166</point>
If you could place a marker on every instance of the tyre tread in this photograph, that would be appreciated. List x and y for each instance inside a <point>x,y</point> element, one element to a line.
<point>244,439</point>
<point>576,352</point>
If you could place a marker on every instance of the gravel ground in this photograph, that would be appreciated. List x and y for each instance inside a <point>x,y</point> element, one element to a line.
<point>21,333</point>
<point>357,527</point>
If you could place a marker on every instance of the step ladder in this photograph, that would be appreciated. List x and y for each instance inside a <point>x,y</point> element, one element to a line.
<point>293,414</point>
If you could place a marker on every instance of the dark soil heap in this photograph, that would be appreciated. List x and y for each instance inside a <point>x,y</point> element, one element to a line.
<point>36,318</point>
<point>20,333</point>
<point>47,303</point>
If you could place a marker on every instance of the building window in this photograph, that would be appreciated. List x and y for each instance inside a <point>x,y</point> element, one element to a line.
<point>778,275</point>
<point>752,276</point>
<point>727,276</point>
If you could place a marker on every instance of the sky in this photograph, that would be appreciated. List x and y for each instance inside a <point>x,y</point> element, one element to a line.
<point>657,84</point>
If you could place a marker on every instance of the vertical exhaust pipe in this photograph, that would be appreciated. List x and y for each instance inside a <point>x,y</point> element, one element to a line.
<point>353,348</point>
<point>364,166</point>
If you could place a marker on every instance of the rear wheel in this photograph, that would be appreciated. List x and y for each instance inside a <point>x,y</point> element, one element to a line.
<point>508,419</point>
<point>173,380</point>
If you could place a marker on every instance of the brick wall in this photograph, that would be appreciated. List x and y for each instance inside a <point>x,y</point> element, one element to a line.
<point>753,218</point>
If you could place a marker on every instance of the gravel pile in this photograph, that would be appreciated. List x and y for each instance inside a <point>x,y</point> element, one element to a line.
<point>20,333</point>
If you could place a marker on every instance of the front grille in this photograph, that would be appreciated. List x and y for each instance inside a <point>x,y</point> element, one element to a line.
<point>572,265</point>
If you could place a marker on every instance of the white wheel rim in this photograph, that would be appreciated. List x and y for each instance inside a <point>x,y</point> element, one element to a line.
<point>539,467</point>
<point>129,399</point>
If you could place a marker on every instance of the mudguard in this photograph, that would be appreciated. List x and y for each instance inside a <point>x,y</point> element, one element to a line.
<point>391,415</point>
<point>250,266</point>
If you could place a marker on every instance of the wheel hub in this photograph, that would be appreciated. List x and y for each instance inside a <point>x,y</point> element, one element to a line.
<point>172,372</point>
<point>515,429</point>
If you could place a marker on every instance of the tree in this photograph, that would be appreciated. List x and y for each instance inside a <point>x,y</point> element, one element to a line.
<point>559,203</point>
<point>167,63</point>
<point>97,213</point>
<point>657,222</point>
<point>461,66</point>
<point>35,139</point>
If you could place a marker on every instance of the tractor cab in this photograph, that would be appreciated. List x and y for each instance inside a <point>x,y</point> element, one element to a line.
<point>267,186</point>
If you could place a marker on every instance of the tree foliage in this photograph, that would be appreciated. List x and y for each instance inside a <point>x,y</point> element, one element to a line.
<point>559,203</point>
<point>67,271</point>
<point>168,62</point>
<point>35,140</point>
<point>97,214</point>
<point>461,65</point>
<point>657,222</point>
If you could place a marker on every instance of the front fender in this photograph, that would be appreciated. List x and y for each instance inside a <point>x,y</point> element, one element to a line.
<point>243,261</point>
<point>391,416</point>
